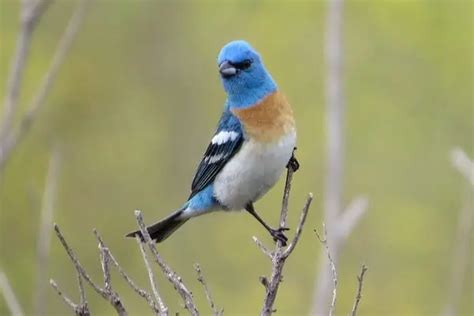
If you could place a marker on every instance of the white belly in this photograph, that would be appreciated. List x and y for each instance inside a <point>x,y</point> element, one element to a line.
<point>253,171</point>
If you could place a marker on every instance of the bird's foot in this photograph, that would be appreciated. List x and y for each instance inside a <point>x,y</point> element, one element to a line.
<point>293,163</point>
<point>279,235</point>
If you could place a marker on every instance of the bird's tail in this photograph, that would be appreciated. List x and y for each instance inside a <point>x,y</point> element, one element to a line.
<point>164,228</point>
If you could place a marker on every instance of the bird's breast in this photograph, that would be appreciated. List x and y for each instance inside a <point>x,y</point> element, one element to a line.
<point>268,120</point>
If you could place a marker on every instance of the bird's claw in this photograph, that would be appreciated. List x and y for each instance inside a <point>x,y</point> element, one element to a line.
<point>293,162</point>
<point>279,235</point>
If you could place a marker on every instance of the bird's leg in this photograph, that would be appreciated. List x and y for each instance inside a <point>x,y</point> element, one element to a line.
<point>277,234</point>
<point>293,163</point>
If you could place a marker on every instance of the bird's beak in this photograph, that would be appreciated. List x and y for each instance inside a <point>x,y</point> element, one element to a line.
<point>227,69</point>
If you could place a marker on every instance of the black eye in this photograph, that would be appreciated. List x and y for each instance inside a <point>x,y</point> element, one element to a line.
<point>243,64</point>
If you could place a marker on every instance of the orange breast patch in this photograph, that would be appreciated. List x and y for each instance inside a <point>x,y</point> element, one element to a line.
<point>268,120</point>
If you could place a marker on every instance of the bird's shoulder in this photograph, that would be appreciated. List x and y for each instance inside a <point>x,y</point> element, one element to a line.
<point>225,143</point>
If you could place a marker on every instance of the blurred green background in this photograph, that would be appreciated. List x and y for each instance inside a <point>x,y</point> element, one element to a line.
<point>136,103</point>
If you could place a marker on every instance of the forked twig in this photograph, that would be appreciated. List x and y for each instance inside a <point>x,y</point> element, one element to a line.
<point>200,278</point>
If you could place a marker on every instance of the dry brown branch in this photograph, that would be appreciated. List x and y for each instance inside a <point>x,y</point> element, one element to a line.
<point>9,295</point>
<point>107,292</point>
<point>360,282</point>
<point>200,278</point>
<point>10,137</point>
<point>169,273</point>
<point>281,253</point>
<point>324,241</point>
<point>44,234</point>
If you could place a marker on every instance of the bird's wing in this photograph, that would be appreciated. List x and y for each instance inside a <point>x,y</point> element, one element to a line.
<point>223,146</point>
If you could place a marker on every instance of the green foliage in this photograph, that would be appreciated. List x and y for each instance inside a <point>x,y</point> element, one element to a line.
<point>138,98</point>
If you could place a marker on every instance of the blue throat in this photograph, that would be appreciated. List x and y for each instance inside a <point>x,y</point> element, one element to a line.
<point>246,97</point>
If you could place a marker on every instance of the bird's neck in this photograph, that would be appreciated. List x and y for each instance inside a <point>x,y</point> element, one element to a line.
<point>246,97</point>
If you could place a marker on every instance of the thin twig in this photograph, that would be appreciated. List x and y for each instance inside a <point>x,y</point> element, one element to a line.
<point>324,241</point>
<point>262,247</point>
<point>66,299</point>
<point>360,281</point>
<point>142,293</point>
<point>163,308</point>
<point>201,280</point>
<point>11,137</point>
<point>108,294</point>
<point>9,295</point>
<point>44,235</point>
<point>299,228</point>
<point>172,277</point>
<point>83,306</point>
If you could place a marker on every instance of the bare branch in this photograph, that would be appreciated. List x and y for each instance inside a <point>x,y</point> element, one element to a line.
<point>79,309</point>
<point>360,281</point>
<point>83,305</point>
<point>299,229</point>
<point>262,247</point>
<point>163,308</point>
<point>44,235</point>
<point>107,293</point>
<point>9,295</point>
<point>30,15</point>
<point>142,293</point>
<point>172,277</point>
<point>11,137</point>
<point>280,254</point>
<point>201,280</point>
<point>324,241</point>
<point>463,164</point>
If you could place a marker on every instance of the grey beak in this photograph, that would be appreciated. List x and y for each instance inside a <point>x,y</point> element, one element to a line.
<point>227,69</point>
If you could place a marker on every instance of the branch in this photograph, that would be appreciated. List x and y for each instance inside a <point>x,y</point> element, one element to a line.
<point>360,281</point>
<point>107,293</point>
<point>280,254</point>
<point>172,277</point>
<point>79,309</point>
<point>215,311</point>
<point>162,307</point>
<point>9,295</point>
<point>10,138</point>
<point>324,241</point>
<point>44,234</point>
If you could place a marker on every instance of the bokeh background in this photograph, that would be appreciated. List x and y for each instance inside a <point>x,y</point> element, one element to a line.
<point>138,98</point>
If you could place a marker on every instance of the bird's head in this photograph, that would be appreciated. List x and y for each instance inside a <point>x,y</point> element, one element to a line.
<point>243,74</point>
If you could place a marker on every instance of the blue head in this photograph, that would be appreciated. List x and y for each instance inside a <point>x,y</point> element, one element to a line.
<point>245,79</point>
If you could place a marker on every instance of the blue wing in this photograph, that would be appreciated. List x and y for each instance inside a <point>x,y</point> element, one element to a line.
<point>224,145</point>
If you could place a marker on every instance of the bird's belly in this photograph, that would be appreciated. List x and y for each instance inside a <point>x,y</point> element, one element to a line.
<point>253,171</point>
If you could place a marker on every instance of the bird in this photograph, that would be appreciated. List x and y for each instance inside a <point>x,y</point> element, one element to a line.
<point>253,144</point>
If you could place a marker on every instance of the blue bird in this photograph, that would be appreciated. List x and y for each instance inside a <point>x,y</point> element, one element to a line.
<point>253,144</point>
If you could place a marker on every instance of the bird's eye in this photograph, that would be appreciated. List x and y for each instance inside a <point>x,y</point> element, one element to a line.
<point>243,64</point>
